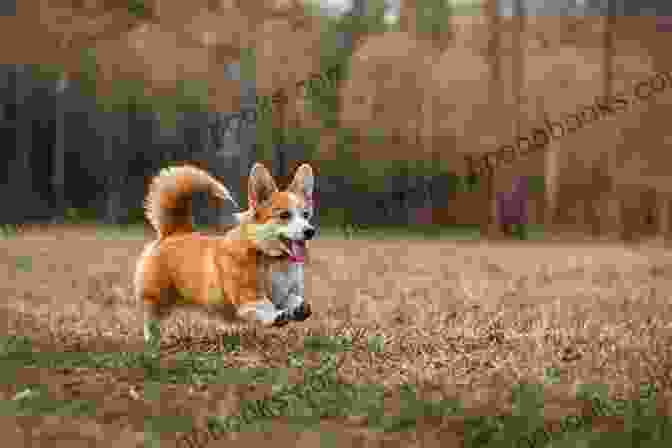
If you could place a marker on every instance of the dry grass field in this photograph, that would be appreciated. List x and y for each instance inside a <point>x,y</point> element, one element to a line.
<point>464,320</point>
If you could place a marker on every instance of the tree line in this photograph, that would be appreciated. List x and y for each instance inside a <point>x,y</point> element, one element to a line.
<point>64,150</point>
<point>69,147</point>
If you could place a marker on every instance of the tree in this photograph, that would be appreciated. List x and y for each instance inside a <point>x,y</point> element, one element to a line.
<point>102,38</point>
<point>111,128</point>
<point>518,86</point>
<point>20,168</point>
<point>601,168</point>
<point>496,87</point>
<point>432,21</point>
<point>58,170</point>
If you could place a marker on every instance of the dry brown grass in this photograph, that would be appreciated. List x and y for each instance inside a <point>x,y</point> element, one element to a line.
<point>465,320</point>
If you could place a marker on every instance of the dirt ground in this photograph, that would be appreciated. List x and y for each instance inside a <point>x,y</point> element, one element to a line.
<point>464,320</point>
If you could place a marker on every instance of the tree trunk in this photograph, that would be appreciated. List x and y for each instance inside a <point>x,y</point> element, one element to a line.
<point>552,159</point>
<point>608,63</point>
<point>597,226</point>
<point>20,170</point>
<point>114,128</point>
<point>8,117</point>
<point>244,155</point>
<point>665,215</point>
<point>358,9</point>
<point>58,170</point>
<point>280,162</point>
<point>489,225</point>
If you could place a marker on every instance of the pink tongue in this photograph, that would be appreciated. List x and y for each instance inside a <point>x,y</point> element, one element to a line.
<point>298,251</point>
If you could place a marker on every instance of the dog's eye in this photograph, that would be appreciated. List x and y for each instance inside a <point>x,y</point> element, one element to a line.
<point>306,215</point>
<point>285,215</point>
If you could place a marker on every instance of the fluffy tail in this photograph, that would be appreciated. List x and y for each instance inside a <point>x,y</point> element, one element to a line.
<point>168,203</point>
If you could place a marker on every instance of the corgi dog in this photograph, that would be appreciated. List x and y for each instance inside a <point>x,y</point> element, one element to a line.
<point>228,274</point>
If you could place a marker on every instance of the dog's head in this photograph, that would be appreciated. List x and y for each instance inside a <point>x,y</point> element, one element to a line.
<point>278,222</point>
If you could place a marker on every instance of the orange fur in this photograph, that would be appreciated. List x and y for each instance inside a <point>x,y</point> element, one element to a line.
<point>168,204</point>
<point>182,267</point>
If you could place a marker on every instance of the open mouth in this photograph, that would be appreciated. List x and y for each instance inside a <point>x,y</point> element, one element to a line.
<point>295,249</point>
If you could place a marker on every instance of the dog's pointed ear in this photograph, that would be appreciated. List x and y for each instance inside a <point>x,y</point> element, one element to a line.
<point>261,185</point>
<point>304,182</point>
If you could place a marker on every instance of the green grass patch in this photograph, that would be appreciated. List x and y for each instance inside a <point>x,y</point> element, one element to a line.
<point>34,400</point>
<point>8,231</point>
<point>24,263</point>
<point>466,9</point>
<point>321,395</point>
<point>120,232</point>
<point>432,232</point>
<point>535,232</point>
<point>138,8</point>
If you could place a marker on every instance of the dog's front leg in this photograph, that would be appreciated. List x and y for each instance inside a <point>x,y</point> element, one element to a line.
<point>297,308</point>
<point>287,292</point>
<point>287,283</point>
<point>264,312</point>
<point>280,289</point>
<point>297,273</point>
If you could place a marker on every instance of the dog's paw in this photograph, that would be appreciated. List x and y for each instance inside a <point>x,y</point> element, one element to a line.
<point>282,319</point>
<point>301,312</point>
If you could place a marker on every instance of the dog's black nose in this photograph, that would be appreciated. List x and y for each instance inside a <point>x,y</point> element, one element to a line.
<point>309,233</point>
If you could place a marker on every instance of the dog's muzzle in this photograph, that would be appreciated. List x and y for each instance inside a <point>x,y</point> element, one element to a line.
<point>296,249</point>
